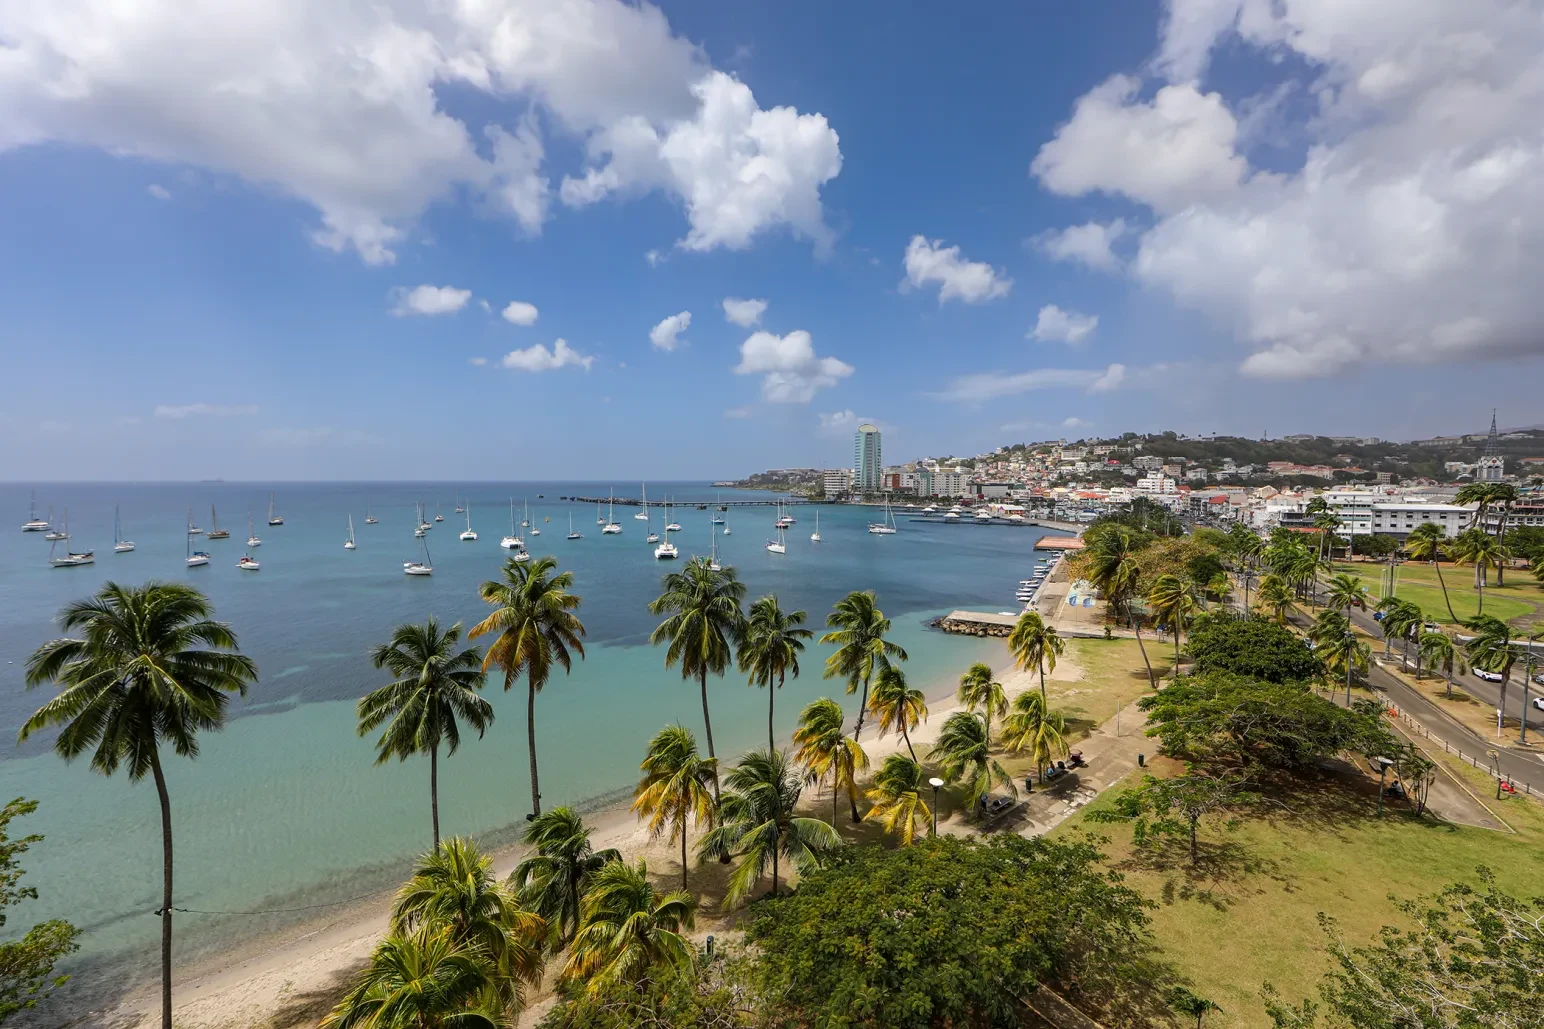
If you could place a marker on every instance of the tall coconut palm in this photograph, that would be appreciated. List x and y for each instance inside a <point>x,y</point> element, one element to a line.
<point>858,631</point>
<point>769,652</point>
<point>1276,596</point>
<point>1023,720</point>
<point>1112,564</point>
<point>1478,548</point>
<point>676,787</point>
<point>1490,649</point>
<point>1173,601</point>
<point>434,691</point>
<point>1344,592</point>
<point>1478,494</point>
<point>1047,741</point>
<point>1326,523</point>
<point>981,692</point>
<point>703,623</point>
<point>422,979</point>
<point>630,930</point>
<point>897,706</point>
<point>827,754</point>
<point>553,880</point>
<point>1442,654</point>
<point>897,793</point>
<point>1035,644</point>
<point>1402,620</point>
<point>453,889</point>
<point>1428,542</point>
<point>1346,654</point>
<point>964,756</point>
<point>534,628</point>
<point>757,824</point>
<point>146,665</point>
<point>1505,496</point>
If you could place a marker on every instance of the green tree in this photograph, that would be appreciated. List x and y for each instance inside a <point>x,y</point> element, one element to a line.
<point>453,890</point>
<point>1023,720</point>
<point>1045,741</point>
<point>1276,597</point>
<point>27,965</point>
<point>424,979</point>
<point>1440,652</point>
<point>702,625</point>
<point>676,787</point>
<point>897,706</point>
<point>1259,649</point>
<point>434,691</point>
<point>1490,649</point>
<point>631,932</point>
<point>1173,602</point>
<point>148,666</point>
<point>1172,808</point>
<point>963,754</point>
<point>534,628</point>
<point>981,692</point>
<point>1111,563</point>
<point>1428,542</point>
<point>897,793</point>
<point>553,880</point>
<point>1035,644</point>
<point>757,824</point>
<point>1191,1005</point>
<point>827,754</point>
<point>769,652</point>
<point>858,631</point>
<point>1482,550</point>
<point>1345,592</point>
<point>1402,620</point>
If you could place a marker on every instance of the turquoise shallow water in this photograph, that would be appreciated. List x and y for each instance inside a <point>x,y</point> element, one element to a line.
<point>285,808</point>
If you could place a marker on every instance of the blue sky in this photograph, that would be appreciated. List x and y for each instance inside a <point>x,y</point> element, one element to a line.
<point>213,261</point>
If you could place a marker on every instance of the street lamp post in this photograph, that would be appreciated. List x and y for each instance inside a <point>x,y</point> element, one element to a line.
<point>935,782</point>
<point>1528,681</point>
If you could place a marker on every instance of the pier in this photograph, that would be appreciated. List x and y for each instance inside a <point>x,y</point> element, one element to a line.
<point>700,505</point>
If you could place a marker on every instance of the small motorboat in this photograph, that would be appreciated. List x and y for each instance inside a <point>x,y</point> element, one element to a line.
<point>248,563</point>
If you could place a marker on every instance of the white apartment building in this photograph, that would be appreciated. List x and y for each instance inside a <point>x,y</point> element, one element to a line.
<point>1156,483</point>
<point>837,481</point>
<point>1400,518</point>
<point>1354,509</point>
<point>951,484</point>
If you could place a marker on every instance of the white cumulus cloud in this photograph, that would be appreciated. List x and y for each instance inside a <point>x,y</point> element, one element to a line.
<point>537,358</point>
<point>518,312</point>
<point>1057,326</point>
<point>928,262</point>
<point>989,385</point>
<point>158,191</point>
<point>1091,244</point>
<point>667,334</point>
<point>429,300</point>
<point>792,373</point>
<point>744,313</point>
<point>200,410</point>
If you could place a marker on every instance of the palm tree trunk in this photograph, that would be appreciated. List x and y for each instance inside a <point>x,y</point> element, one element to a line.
<point>836,797</point>
<point>530,738</point>
<point>1152,680</point>
<point>707,723</point>
<point>1440,582</point>
<point>772,746</point>
<point>434,790</point>
<point>774,867</point>
<point>684,815</point>
<point>1450,680</point>
<point>907,737</point>
<point>852,798</point>
<point>166,888</point>
<point>1043,701</point>
<point>857,729</point>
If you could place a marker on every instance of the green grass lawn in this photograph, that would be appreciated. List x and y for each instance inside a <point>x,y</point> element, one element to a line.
<point>1516,602</point>
<point>1248,914</point>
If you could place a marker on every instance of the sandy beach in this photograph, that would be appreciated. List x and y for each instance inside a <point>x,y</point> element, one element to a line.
<point>292,977</point>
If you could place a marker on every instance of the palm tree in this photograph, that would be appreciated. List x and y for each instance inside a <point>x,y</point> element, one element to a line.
<point>1035,644</point>
<point>1276,596</point>
<point>1504,495</point>
<point>149,666</point>
<point>770,649</point>
<point>434,691</point>
<point>963,755</point>
<point>1428,542</point>
<point>1477,547</point>
<point>896,791</point>
<point>426,978</point>
<point>1440,652</point>
<point>1345,592</point>
<point>1019,727</point>
<point>758,826</point>
<point>552,881</point>
<point>1047,742</point>
<point>897,707</point>
<point>825,752</point>
<point>1490,648</point>
<point>630,930</point>
<point>1326,523</point>
<point>858,630</point>
<point>1402,619</point>
<point>979,689</point>
<point>1172,600</point>
<point>454,889</point>
<point>676,787</point>
<point>1345,654</point>
<point>1477,493</point>
<point>702,625</point>
<point>1112,564</point>
<point>535,627</point>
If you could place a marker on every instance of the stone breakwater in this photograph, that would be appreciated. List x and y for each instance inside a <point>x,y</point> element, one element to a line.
<point>975,623</point>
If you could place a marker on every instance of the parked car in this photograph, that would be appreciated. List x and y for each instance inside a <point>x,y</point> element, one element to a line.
<point>1488,676</point>
<point>1539,678</point>
<point>1538,702</point>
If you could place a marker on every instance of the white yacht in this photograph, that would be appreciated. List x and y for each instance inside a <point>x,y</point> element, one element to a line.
<point>670,526</point>
<point>252,538</point>
<point>193,530</point>
<point>777,546</point>
<point>535,529</point>
<point>33,522</point>
<point>713,565</point>
<point>349,544</point>
<point>666,551</point>
<point>459,508</point>
<point>273,519</point>
<point>598,519</point>
<point>652,536</point>
<point>815,536</point>
<point>422,566</point>
<point>120,545</point>
<point>643,515</point>
<point>611,527</point>
<point>784,519</point>
<point>468,535</point>
<point>215,532</point>
<point>525,522</point>
<point>370,519</point>
<point>437,516</point>
<point>886,527</point>
<point>571,533</point>
<point>71,558</point>
<point>513,540</point>
<point>61,533</point>
<point>248,563</point>
<point>726,528</point>
<point>195,557</point>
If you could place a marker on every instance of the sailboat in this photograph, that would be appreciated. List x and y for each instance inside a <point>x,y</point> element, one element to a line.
<point>349,544</point>
<point>423,524</point>
<point>252,538</point>
<point>216,533</point>
<point>193,530</point>
<point>815,536</point>
<point>643,515</point>
<point>422,566</point>
<point>713,565</point>
<point>61,533</point>
<point>784,519</point>
<point>195,557</point>
<point>469,535</point>
<point>535,529</point>
<point>669,525</point>
<point>886,527</point>
<point>273,519</point>
<point>777,546</point>
<point>525,521</point>
<point>652,537</point>
<point>726,528</point>
<point>369,518</point>
<point>598,519</point>
<point>571,533</point>
<point>120,545</point>
<point>718,519</point>
<point>71,558</point>
<point>459,509</point>
<point>33,522</point>
<point>512,541</point>
<point>611,528</point>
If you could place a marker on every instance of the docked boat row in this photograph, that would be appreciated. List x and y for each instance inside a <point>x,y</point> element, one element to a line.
<point>1029,588</point>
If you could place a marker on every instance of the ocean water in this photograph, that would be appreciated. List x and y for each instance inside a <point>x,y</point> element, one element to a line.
<point>285,810</point>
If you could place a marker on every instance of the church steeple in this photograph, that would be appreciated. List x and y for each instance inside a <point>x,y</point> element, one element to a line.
<point>1491,446</point>
<point>1491,467</point>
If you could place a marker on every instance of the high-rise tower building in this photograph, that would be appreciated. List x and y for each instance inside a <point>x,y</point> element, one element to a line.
<point>867,461</point>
